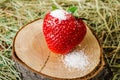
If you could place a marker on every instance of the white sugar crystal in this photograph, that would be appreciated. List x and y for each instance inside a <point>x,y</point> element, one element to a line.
<point>60,14</point>
<point>76,59</point>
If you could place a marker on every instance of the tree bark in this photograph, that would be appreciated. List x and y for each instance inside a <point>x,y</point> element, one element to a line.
<point>27,74</point>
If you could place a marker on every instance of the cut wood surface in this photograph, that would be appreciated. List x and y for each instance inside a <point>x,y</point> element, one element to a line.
<point>30,50</point>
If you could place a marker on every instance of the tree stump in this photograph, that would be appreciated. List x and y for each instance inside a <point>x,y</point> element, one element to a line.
<point>36,62</point>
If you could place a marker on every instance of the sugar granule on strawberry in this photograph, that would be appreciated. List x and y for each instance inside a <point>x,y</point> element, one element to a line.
<point>60,14</point>
<point>63,31</point>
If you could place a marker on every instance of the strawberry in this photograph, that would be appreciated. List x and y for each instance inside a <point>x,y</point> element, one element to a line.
<point>63,31</point>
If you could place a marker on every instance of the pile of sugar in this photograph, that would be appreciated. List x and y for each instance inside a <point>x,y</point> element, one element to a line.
<point>76,59</point>
<point>60,14</point>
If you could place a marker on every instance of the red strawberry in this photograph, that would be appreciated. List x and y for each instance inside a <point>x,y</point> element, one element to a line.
<point>63,31</point>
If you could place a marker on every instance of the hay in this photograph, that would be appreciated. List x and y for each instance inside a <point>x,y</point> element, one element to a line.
<point>102,16</point>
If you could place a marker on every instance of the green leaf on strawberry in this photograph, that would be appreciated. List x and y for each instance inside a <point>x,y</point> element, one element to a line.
<point>54,7</point>
<point>72,9</point>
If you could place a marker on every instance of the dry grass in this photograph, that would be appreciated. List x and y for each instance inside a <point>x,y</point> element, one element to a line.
<point>103,16</point>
